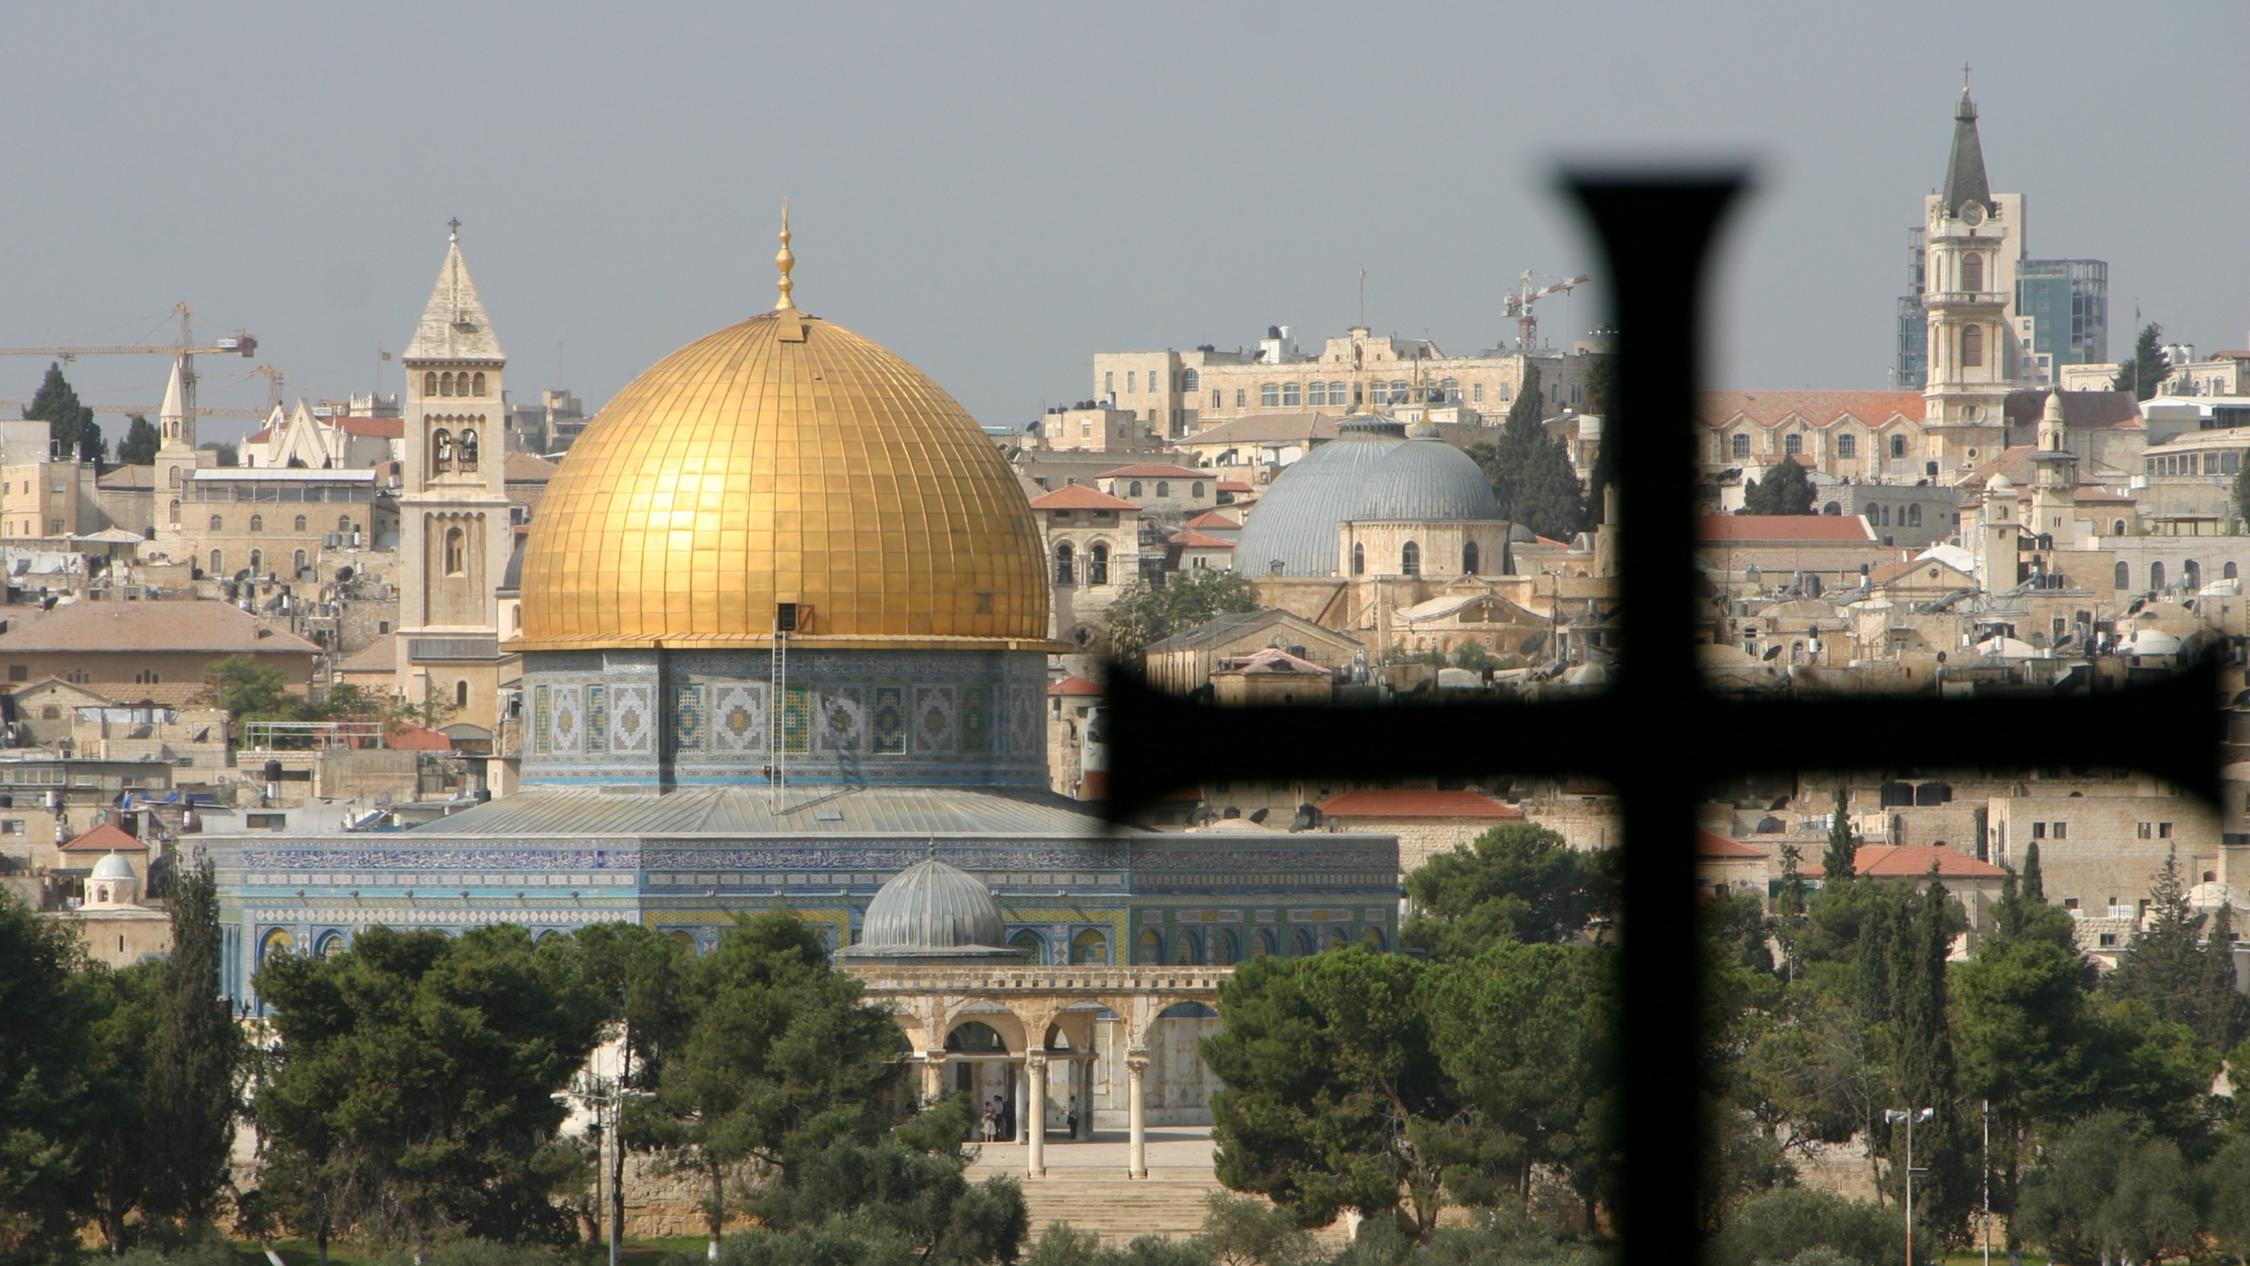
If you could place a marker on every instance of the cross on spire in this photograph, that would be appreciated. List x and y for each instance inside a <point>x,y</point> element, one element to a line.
<point>455,225</point>
<point>1964,76</point>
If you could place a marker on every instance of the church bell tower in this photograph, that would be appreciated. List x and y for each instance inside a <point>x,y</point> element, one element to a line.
<point>1972,241</point>
<point>455,532</point>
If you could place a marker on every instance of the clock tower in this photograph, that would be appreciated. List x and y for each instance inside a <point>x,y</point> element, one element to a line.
<point>455,532</point>
<point>1973,240</point>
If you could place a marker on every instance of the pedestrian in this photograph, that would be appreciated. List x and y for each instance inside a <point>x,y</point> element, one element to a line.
<point>1007,1120</point>
<point>988,1124</point>
<point>1071,1121</point>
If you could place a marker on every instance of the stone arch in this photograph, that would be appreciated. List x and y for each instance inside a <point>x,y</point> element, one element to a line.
<point>1337,938</point>
<point>328,943</point>
<point>1148,948</point>
<point>1307,944</point>
<point>1226,947</point>
<point>1032,945</point>
<point>275,941</point>
<point>1262,943</point>
<point>1374,939</point>
<point>1187,948</point>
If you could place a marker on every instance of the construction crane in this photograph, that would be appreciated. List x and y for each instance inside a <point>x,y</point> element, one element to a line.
<point>1529,292</point>
<point>151,410</point>
<point>183,354</point>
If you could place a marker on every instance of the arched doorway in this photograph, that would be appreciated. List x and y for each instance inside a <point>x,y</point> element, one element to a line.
<point>1148,951</point>
<point>980,1066</point>
<point>1187,949</point>
<point>1089,948</point>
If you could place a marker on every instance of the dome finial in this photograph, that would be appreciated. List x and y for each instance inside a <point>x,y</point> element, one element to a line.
<point>785,261</point>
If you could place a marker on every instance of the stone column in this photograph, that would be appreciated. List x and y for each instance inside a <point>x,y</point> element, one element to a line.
<point>1035,1124</point>
<point>1137,1158</point>
<point>1017,1092</point>
<point>933,1076</point>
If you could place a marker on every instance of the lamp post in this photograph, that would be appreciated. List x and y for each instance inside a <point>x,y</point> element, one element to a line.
<point>606,1097</point>
<point>1910,1116</point>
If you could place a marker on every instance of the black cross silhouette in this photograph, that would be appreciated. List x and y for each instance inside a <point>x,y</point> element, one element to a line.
<point>1659,735</point>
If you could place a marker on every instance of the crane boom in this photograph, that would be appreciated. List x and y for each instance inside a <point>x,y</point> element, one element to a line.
<point>150,410</point>
<point>1519,304</point>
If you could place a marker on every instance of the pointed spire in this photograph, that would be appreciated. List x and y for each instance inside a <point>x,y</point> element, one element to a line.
<point>174,410</point>
<point>454,324</point>
<point>785,261</point>
<point>1964,169</point>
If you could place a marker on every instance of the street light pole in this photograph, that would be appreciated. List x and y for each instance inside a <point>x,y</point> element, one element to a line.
<point>1910,1116</point>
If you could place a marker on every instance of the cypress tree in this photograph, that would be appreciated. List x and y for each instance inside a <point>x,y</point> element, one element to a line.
<point>70,424</point>
<point>196,1058</point>
<point>1838,863</point>
<point>1923,1065</point>
<point>2034,886</point>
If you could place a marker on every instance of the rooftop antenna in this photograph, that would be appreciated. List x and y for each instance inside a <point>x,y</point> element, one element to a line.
<point>1363,294</point>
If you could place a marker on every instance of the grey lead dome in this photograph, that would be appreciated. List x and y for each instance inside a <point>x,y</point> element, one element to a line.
<point>931,908</point>
<point>1295,522</point>
<point>1424,481</point>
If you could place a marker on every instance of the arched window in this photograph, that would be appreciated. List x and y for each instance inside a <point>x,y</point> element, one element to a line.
<point>1972,346</point>
<point>1269,395</point>
<point>1090,948</point>
<point>2228,572</point>
<point>1793,444</point>
<point>2117,527</point>
<point>1029,944</point>
<point>301,523</point>
<point>175,519</point>
<point>441,450</point>
<point>1063,563</point>
<point>1741,444</point>
<point>257,523</point>
<point>1163,487</point>
<point>429,384</point>
<point>2156,575</point>
<point>2124,576</point>
<point>1292,394</point>
<point>257,561</point>
<point>1097,563</point>
<point>1148,949</point>
<point>1226,948</point>
<point>1190,380</point>
<point>460,694</point>
<point>1914,515</point>
<point>479,383</point>
<point>175,476</point>
<point>218,564</point>
<point>468,449</point>
<point>1469,558</point>
<point>1187,949</point>
<point>1898,446</point>
<point>1307,944</point>
<point>1359,559</point>
<point>216,521</point>
<point>1972,271</point>
<point>300,560</point>
<point>1410,559</point>
<point>1316,393</point>
<point>1133,489</point>
<point>2191,575</point>
<point>456,552</point>
<point>1847,446</point>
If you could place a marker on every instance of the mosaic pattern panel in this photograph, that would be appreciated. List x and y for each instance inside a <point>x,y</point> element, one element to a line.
<point>738,718</point>
<point>597,718</point>
<point>937,721</point>
<point>976,719</point>
<point>632,718</point>
<point>542,740</point>
<point>690,720</point>
<point>887,720</point>
<point>1023,718</point>
<point>796,720</point>
<point>843,719</point>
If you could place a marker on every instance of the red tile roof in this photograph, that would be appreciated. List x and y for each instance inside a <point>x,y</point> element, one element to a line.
<point>1713,844</point>
<point>1911,861</point>
<point>1155,470</point>
<point>1080,497</point>
<point>1416,802</point>
<point>414,738</point>
<point>373,428</point>
<point>1075,685</point>
<point>1817,408</point>
<point>1200,540</point>
<point>1782,527</point>
<point>1234,485</point>
<point>1214,519</point>
<point>106,838</point>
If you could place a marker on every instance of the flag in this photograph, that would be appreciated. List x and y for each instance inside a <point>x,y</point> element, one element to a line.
<point>380,352</point>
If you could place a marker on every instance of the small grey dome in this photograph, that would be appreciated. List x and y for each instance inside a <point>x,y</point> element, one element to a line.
<point>113,867</point>
<point>931,908</point>
<point>1425,481</point>
<point>1296,521</point>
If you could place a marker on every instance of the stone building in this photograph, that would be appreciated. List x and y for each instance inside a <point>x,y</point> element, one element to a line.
<point>111,922</point>
<point>1184,662</point>
<point>1093,547</point>
<point>1427,821</point>
<point>148,651</point>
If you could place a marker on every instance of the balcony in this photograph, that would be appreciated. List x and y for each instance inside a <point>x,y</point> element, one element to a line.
<point>1990,298</point>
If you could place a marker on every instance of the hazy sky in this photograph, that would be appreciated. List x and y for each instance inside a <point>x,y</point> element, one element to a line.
<point>997,192</point>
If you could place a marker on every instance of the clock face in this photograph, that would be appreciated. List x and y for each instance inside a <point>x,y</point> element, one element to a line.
<point>1973,213</point>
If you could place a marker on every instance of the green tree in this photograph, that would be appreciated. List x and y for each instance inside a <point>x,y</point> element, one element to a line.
<point>414,1086</point>
<point>2147,366</point>
<point>48,1054</point>
<point>1789,903</point>
<point>70,424</point>
<point>116,1103</point>
<point>1531,475</point>
<point>1923,1067</point>
<point>1839,864</point>
<point>2034,880</point>
<point>1333,1096</point>
<point>196,1059</point>
<point>245,688</point>
<point>1516,882</point>
<point>1786,489</point>
<point>2227,1178</point>
<point>1783,1225</point>
<point>2171,965</point>
<point>2105,1187</point>
<point>783,1058</point>
<point>1143,614</point>
<point>227,454</point>
<point>141,441</point>
<point>1246,1231</point>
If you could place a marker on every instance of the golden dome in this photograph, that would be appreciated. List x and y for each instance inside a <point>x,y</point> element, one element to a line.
<point>784,459</point>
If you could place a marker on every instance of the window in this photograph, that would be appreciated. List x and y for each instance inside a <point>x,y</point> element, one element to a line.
<point>1316,393</point>
<point>1476,392</point>
<point>2070,903</point>
<point>344,523</point>
<point>2039,830</point>
<point>1063,563</point>
<point>429,384</point>
<point>1469,559</point>
<point>479,385</point>
<point>19,672</point>
<point>215,523</point>
<point>1972,346</point>
<point>50,712</point>
<point>217,567</point>
<point>1793,444</point>
<point>461,688</point>
<point>1847,446</point>
<point>1097,563</point>
<point>257,523</point>
<point>1898,446</point>
<point>1195,490</point>
<point>1450,390</point>
<point>2124,576</point>
<point>1359,559</point>
<point>174,520</point>
<point>1410,559</point>
<point>1292,394</point>
<point>1337,394</point>
<point>2156,575</point>
<point>1215,398</point>
<point>1191,381</point>
<point>2164,830</point>
<point>145,677</point>
<point>175,476</point>
<point>1269,395</point>
<point>257,560</point>
<point>456,552</point>
<point>1914,515</point>
<point>2144,829</point>
<point>1109,382</point>
<point>2062,830</point>
<point>441,450</point>
<point>1741,446</point>
<point>1972,271</point>
<point>300,523</point>
<point>1163,487</point>
<point>468,449</point>
<point>1129,387</point>
<point>300,560</point>
<point>1133,489</point>
<point>1085,428</point>
<point>1239,396</point>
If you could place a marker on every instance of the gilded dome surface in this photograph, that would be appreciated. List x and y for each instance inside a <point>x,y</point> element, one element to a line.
<point>783,459</point>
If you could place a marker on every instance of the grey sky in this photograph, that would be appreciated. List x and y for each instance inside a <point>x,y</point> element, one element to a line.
<point>998,192</point>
